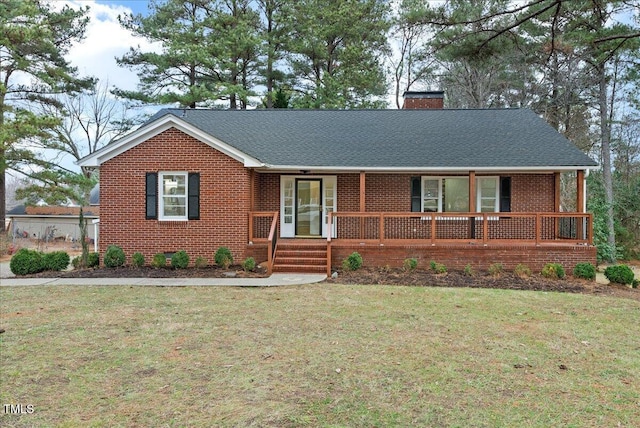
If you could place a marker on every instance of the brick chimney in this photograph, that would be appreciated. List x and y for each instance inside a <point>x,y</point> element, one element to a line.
<point>421,100</point>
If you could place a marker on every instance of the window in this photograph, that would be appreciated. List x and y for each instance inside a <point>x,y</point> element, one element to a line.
<point>487,190</point>
<point>173,196</point>
<point>451,194</point>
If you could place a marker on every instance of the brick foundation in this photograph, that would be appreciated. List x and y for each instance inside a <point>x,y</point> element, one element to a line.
<point>456,257</point>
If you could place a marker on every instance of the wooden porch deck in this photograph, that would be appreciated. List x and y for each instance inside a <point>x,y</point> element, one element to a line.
<point>456,239</point>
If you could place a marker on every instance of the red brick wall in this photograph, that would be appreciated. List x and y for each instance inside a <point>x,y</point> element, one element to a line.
<point>388,192</point>
<point>456,257</point>
<point>532,193</point>
<point>418,103</point>
<point>224,200</point>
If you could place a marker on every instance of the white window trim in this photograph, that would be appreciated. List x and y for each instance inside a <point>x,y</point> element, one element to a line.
<point>496,207</point>
<point>161,196</point>
<point>478,195</point>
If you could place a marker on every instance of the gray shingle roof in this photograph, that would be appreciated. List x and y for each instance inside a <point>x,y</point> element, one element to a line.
<point>491,138</point>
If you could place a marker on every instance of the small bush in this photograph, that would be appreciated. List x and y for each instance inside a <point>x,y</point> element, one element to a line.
<point>439,268</point>
<point>432,264</point>
<point>200,262</point>
<point>522,271</point>
<point>114,257</point>
<point>619,274</point>
<point>585,271</point>
<point>496,269</point>
<point>353,262</point>
<point>635,283</point>
<point>137,260</point>
<point>468,270</point>
<point>57,260</point>
<point>180,260</point>
<point>223,257</point>
<point>410,265</point>
<point>93,260</point>
<point>553,271</point>
<point>26,262</point>
<point>159,260</point>
<point>249,264</point>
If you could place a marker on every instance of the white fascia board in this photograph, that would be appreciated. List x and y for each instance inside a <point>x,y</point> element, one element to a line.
<point>537,169</point>
<point>162,124</point>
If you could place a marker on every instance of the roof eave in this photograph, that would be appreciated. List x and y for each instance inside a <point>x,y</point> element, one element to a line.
<point>156,127</point>
<point>414,169</point>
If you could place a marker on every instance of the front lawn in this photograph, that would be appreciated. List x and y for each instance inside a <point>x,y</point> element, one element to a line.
<point>317,355</point>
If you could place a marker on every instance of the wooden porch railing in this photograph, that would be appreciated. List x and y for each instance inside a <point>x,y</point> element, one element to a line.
<point>478,228</point>
<point>263,227</point>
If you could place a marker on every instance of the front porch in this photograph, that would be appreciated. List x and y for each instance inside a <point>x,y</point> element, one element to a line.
<point>455,239</point>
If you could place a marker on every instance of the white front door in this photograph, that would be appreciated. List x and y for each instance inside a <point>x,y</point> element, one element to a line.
<point>305,204</point>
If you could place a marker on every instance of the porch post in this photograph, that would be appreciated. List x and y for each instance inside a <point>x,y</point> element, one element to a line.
<point>556,202</point>
<point>472,191</point>
<point>252,189</point>
<point>472,204</point>
<point>556,181</point>
<point>362,202</point>
<point>580,203</point>
<point>580,181</point>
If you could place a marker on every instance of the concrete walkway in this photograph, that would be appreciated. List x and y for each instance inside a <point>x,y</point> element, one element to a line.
<point>277,279</point>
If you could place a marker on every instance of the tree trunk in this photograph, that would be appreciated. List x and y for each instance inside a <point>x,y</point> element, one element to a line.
<point>605,148</point>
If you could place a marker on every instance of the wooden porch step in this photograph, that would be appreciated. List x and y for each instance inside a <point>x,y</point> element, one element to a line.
<point>299,268</point>
<point>302,253</point>
<point>312,261</point>
<point>300,256</point>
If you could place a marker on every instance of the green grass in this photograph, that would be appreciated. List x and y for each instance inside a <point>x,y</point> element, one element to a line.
<point>318,355</point>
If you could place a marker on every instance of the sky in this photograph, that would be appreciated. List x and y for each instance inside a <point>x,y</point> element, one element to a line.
<point>105,40</point>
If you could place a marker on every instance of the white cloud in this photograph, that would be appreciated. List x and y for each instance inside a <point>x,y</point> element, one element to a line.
<point>105,39</point>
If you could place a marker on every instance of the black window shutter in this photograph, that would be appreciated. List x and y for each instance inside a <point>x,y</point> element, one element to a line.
<point>505,194</point>
<point>151,194</point>
<point>416,194</point>
<point>194,196</point>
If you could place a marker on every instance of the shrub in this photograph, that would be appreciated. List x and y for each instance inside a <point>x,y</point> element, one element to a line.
<point>180,260</point>
<point>223,257</point>
<point>114,257</point>
<point>93,260</point>
<point>619,274</point>
<point>249,264</point>
<point>522,271</point>
<point>410,265</point>
<point>353,262</point>
<point>159,260</point>
<point>585,271</point>
<point>439,268</point>
<point>635,283</point>
<point>57,260</point>
<point>432,264</point>
<point>137,260</point>
<point>468,270</point>
<point>495,269</point>
<point>553,271</point>
<point>26,262</point>
<point>201,262</point>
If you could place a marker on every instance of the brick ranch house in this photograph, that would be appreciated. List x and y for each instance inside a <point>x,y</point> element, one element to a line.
<point>302,189</point>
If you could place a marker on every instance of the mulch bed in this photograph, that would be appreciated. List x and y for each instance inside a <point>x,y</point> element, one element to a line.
<point>505,281</point>
<point>382,276</point>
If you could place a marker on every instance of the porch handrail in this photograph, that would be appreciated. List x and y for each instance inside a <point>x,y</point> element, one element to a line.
<point>271,239</point>
<point>581,231</point>
<point>272,242</point>
<point>252,216</point>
